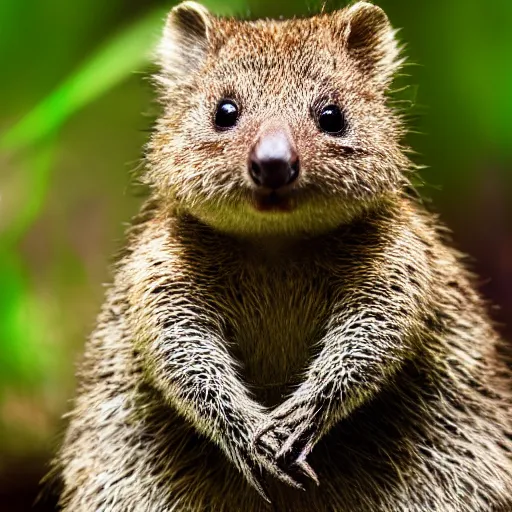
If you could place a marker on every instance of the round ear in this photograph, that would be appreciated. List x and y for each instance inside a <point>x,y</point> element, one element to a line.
<point>184,44</point>
<point>371,41</point>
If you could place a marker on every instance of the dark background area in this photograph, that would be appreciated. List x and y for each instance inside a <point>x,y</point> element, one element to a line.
<point>74,116</point>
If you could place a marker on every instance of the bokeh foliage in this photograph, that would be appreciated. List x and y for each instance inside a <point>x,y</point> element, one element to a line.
<point>72,91</point>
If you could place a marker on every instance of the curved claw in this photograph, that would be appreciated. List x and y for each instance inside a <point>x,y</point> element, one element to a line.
<point>296,433</point>
<point>307,470</point>
<point>268,462</point>
<point>292,439</point>
<point>258,485</point>
<point>287,479</point>
<point>271,466</point>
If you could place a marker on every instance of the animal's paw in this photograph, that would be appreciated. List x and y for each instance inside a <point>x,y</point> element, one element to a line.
<point>264,451</point>
<point>293,428</point>
<point>252,472</point>
<point>255,462</point>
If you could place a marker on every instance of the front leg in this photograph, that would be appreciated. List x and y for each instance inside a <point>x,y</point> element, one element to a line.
<point>178,334</point>
<point>358,357</point>
<point>377,313</point>
<point>195,373</point>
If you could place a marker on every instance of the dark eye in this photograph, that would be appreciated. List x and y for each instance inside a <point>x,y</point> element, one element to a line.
<point>331,120</point>
<point>226,114</point>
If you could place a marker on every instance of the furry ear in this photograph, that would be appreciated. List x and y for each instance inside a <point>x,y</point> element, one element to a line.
<point>184,44</point>
<point>370,40</point>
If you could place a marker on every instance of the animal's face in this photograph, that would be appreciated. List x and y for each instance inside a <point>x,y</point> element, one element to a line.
<point>277,126</point>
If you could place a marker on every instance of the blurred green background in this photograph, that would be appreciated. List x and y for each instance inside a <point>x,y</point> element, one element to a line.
<point>75,110</point>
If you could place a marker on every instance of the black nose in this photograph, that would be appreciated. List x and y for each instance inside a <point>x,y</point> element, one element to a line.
<point>273,162</point>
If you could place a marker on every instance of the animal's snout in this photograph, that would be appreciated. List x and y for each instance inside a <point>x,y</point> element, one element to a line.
<point>273,160</point>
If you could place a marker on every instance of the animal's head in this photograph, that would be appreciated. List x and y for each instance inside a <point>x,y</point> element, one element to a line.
<point>277,126</point>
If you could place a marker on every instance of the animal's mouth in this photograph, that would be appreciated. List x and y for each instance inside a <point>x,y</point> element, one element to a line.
<point>272,202</point>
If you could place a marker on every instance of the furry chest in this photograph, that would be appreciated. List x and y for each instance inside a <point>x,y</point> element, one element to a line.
<point>275,320</point>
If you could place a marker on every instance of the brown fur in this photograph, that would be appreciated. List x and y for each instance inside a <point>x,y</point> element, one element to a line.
<point>240,352</point>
